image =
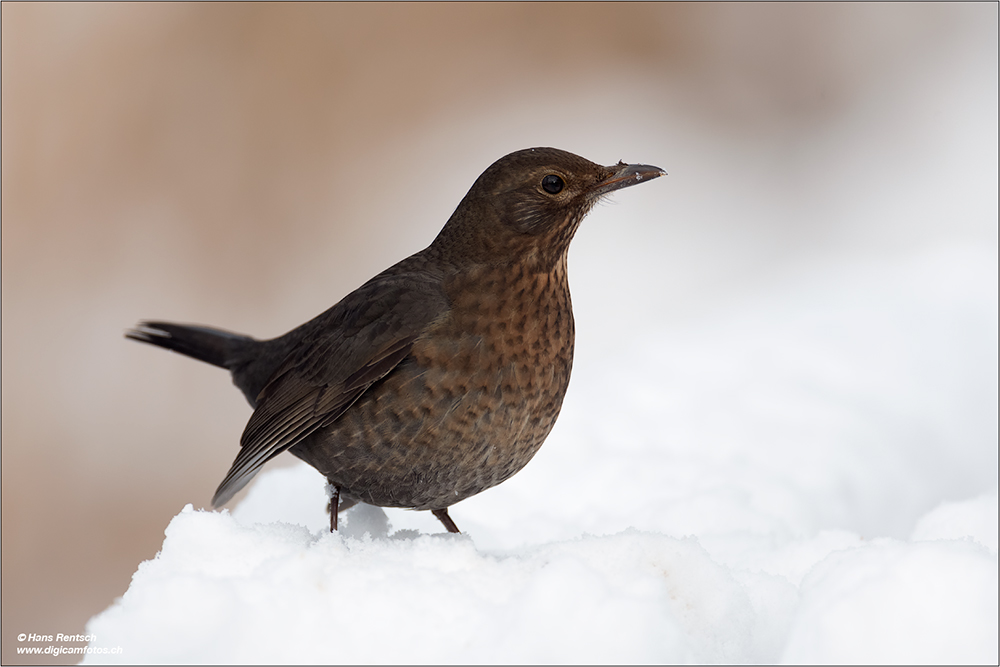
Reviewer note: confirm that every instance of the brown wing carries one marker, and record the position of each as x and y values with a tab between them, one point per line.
341	354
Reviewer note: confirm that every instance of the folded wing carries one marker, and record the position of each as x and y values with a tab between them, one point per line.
341	354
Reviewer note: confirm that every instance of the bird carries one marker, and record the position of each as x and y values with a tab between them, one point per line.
441	376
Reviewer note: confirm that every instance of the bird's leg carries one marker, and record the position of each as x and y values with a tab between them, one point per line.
334	507
442	515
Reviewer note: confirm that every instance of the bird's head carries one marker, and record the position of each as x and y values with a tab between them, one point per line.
530	203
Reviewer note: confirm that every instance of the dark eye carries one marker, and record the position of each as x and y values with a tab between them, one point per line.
552	184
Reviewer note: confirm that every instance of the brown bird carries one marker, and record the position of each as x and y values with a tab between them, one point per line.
441	376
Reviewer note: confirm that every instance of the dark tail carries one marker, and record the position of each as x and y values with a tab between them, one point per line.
214	346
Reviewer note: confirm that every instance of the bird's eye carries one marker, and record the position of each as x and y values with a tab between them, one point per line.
552	184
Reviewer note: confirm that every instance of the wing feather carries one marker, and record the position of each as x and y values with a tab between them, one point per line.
341	354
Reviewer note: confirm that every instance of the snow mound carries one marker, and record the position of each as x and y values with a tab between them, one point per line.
226	590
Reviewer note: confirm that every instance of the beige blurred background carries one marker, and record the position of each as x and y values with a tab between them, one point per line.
246	165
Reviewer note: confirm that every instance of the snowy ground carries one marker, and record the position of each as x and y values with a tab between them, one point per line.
771	486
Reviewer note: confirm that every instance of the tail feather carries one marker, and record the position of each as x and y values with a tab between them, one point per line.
214	346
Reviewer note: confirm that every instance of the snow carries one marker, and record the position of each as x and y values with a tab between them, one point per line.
802	478
892	602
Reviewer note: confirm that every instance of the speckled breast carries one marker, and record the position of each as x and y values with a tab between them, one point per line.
468	407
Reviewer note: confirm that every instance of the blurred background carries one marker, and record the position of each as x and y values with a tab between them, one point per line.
247	165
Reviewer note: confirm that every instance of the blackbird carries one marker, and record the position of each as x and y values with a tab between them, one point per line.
441	376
